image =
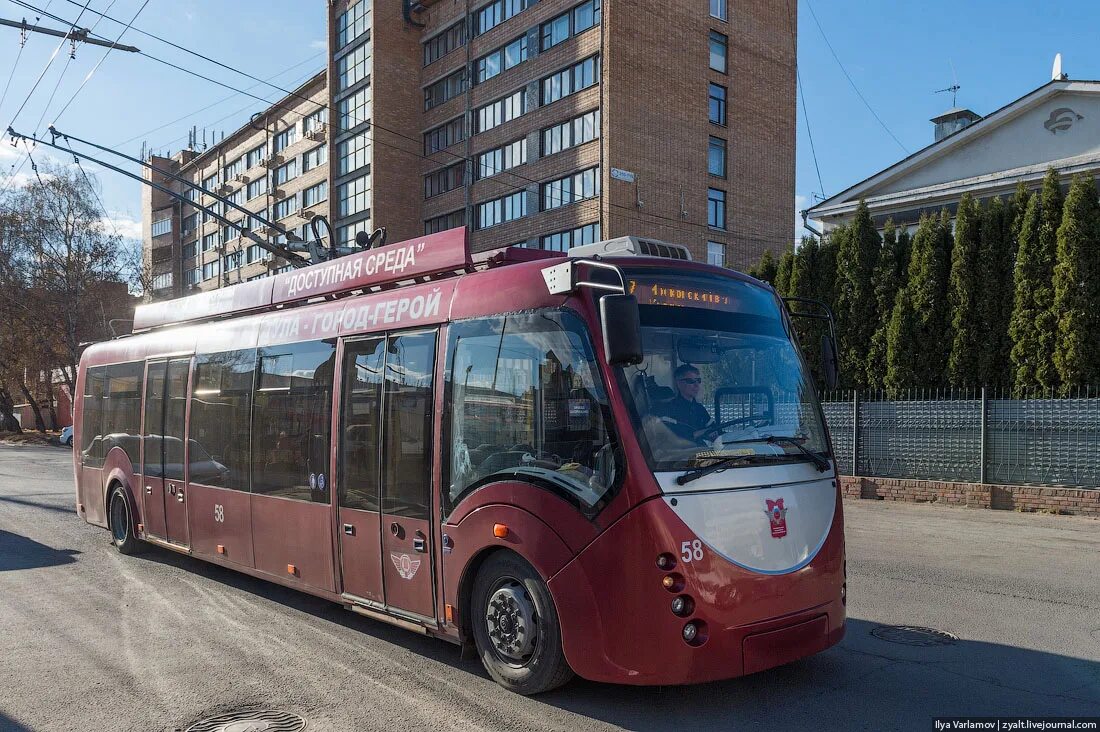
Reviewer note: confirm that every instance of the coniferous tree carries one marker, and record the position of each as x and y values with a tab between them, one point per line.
891	275
1034	325
995	261
857	255
783	272
963	365
919	337
826	267
1077	286
1029	274
765	269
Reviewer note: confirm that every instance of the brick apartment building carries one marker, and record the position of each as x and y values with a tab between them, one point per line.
275	165
545	123
557	122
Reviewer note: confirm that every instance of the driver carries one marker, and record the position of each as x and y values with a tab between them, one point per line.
683	413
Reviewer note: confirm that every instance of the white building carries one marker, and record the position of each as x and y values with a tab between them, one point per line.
1056	125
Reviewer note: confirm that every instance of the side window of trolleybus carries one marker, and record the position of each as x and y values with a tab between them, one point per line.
291	420
527	404
221	405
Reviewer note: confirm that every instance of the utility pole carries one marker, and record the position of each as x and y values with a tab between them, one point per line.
77	35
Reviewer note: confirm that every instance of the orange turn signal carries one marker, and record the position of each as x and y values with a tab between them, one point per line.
291	569
668	581
141	528
500	531
449	613
221	549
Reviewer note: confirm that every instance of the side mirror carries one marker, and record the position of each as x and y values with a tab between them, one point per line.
829	365
622	329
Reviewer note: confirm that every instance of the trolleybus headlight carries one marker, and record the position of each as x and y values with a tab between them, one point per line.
666	561
690	631
682	605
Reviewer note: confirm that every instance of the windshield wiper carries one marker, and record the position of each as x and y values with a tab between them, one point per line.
796	441
714	467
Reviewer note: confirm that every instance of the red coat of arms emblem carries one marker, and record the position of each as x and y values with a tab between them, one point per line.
777	517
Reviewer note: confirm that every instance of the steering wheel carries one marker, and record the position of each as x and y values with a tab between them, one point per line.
749	419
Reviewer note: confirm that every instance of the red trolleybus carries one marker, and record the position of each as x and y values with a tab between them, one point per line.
610	463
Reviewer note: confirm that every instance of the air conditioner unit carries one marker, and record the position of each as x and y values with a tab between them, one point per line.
240	178
186	232
271	160
317	133
307	215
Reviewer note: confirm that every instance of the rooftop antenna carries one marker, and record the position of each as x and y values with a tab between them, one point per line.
1056	73
954	88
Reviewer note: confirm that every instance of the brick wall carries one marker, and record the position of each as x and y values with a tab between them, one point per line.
1076	501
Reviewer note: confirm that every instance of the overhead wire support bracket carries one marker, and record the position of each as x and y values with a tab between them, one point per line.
293	258
77	35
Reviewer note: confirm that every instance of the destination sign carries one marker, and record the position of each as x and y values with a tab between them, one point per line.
659	293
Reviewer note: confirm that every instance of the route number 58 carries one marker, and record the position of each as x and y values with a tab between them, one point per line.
219	513
691	550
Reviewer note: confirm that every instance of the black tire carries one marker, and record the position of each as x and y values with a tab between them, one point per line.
69	442
533	670
122	523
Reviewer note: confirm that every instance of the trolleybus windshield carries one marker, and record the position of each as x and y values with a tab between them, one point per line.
721	376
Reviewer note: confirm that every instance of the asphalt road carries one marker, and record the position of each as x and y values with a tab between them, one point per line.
93	640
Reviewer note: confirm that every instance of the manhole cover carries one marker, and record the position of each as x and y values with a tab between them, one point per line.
265	721
909	635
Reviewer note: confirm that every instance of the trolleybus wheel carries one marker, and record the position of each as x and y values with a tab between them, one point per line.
122	525
516	627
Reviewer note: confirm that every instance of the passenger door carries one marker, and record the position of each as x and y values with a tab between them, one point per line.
385	471
152	469
358	475
407	410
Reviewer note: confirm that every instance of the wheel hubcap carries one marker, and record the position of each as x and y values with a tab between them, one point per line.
511	621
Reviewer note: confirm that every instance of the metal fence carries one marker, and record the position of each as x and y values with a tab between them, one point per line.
975	436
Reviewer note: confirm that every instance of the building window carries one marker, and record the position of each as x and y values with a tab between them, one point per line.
718	104
255	156
210	182
163	226
444	136
501	210
285	172
502	59
253	223
563	241
356	109
256	253
191	194
716	157
285	207
503	158
353	154
571	80
450	220
447	41
353	197
719	50
354	67
232	170
315	121
229	233
576	131
162	281
209	241
315	194
190	223
232	261
352	23
444	180
190	250
285	139
193	276
345	235
257	187
716	253
211	269
718	9
579	19
497	12
716	208
236	196
312	158
445	89
571	188
501	111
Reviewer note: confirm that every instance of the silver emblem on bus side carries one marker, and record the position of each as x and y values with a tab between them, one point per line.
406	565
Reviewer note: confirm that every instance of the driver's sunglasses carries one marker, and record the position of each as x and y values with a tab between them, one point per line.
696	380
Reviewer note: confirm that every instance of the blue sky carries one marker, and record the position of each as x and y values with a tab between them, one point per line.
897	54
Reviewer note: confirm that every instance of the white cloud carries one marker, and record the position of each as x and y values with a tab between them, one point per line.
127	227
